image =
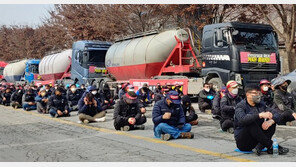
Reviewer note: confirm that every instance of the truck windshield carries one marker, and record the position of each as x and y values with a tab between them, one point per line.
33	68
254	37
97	56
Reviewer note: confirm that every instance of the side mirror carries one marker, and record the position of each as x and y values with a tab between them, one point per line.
219	35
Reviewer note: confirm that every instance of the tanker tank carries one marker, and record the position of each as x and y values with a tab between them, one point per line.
142	57
52	67
15	71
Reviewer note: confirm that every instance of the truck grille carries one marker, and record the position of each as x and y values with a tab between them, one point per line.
255	66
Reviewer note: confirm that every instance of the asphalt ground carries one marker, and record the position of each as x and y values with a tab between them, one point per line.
27	136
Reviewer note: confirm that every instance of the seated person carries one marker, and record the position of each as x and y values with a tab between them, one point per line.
169	119
107	100
28	100
90	110
145	95
6	97
128	113
16	97
189	111
58	104
255	123
216	110
42	101
205	98
227	105
285	102
73	96
267	94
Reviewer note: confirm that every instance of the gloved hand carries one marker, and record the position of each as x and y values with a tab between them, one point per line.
210	97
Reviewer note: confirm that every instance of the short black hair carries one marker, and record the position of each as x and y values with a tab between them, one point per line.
250	88
206	84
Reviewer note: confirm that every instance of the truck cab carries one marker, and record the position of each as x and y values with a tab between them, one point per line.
243	52
88	61
31	70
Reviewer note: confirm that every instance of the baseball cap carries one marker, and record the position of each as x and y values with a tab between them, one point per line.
231	84
264	81
174	97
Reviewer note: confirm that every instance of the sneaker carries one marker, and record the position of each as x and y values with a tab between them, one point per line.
27	109
103	119
258	149
293	123
195	122
230	130
80	122
140	127
165	137
125	128
186	135
218	117
282	150
86	121
208	111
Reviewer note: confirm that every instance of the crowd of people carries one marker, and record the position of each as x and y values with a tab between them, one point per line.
251	116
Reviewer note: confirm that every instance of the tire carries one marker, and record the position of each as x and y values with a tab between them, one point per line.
217	83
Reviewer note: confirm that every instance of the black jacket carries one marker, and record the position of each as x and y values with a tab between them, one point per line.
125	111
58	103
284	101
17	96
189	111
28	98
202	96
246	115
227	106
216	110
7	96
267	97
73	98
90	110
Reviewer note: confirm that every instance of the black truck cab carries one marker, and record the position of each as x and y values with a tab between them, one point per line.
242	52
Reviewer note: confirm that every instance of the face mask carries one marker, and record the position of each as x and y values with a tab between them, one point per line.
256	99
94	92
73	89
43	94
234	91
46	90
265	88
284	88
207	89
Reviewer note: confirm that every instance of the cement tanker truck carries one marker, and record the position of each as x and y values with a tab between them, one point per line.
21	71
243	52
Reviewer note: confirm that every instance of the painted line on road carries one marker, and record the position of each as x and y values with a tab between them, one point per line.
152	140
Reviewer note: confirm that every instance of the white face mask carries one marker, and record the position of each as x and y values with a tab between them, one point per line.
207	89
94	92
73	89
265	88
235	91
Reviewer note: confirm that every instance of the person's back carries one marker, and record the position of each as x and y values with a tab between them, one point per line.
189	111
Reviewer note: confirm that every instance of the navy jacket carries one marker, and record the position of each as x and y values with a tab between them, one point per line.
90	110
161	107
246	115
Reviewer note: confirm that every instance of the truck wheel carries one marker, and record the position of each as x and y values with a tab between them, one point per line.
217	83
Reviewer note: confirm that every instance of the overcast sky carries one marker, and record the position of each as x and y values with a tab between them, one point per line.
23	14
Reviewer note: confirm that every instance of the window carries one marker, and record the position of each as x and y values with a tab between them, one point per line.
97	56
224	39
207	39
33	68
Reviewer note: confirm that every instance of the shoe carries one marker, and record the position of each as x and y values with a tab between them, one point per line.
140	127
103	119
258	149
195	122
282	150
293	123
208	111
165	137
218	117
27	109
86	121
230	130
186	135
79	122
125	128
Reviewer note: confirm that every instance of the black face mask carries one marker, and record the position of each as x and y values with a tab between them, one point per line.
284	88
